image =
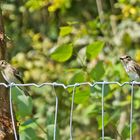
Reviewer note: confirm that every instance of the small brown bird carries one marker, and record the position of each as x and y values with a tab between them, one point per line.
131	67
12	75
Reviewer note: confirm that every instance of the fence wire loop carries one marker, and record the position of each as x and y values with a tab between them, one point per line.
54	84
76	84
11	85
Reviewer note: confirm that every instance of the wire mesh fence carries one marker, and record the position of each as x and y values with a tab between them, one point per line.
74	86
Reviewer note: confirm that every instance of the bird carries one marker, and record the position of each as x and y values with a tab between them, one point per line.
131	67
12	75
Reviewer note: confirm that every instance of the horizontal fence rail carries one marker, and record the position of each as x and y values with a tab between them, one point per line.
71	85
55	84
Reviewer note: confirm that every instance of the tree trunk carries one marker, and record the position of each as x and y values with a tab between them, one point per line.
6	128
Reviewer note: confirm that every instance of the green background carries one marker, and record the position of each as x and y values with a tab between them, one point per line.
66	41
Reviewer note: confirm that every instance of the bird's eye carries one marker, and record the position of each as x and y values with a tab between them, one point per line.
127	57
2	62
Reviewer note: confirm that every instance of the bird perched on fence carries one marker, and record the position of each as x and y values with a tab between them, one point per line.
131	67
11	75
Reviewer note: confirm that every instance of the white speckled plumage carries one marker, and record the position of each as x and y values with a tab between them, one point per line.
131	67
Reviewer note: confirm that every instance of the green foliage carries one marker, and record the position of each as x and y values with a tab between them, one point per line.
29	134
81	97
28	122
64	41
94	49
50	130
77	77
126	130
98	71
106	120
62	53
23	103
35	4
59	4
65	30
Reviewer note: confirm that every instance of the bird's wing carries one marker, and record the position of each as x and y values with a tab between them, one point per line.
17	75
137	68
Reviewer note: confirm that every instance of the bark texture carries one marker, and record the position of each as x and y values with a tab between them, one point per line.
6	128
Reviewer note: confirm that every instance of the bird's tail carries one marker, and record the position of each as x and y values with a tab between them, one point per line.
24	90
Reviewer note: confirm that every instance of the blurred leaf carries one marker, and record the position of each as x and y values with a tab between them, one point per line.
94	49
72	22
98	89
41	90
107	90
59	4
81	96
29	121
137	94
35	4
122	1
29	134
65	30
107	138
77	77
126	130
93	24
127	40
98	71
62	53
24	106
30	124
106	120
50	130
90	108
23	103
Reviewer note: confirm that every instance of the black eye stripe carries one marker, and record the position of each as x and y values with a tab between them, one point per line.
127	57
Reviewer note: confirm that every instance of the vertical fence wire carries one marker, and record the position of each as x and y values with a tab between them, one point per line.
12	114
103	89
56	112
71	112
72	103
131	112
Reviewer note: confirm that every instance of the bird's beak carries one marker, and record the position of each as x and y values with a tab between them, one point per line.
121	58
